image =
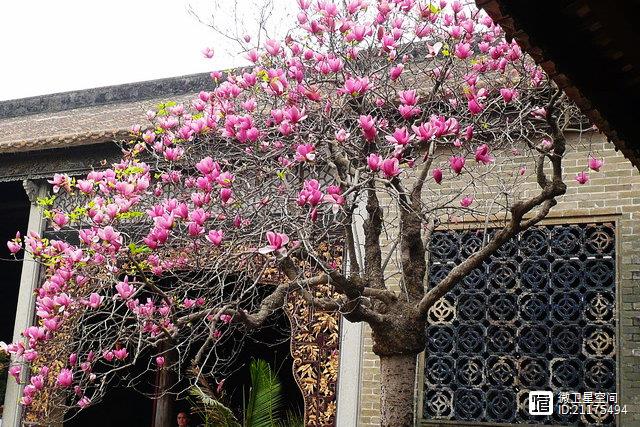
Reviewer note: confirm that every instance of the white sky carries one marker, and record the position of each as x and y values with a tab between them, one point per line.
51	46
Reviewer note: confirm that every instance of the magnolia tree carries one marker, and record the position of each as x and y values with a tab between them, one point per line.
372	124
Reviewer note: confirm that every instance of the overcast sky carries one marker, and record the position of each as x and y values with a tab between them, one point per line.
56	46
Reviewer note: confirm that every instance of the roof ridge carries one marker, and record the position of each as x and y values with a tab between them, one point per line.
127	92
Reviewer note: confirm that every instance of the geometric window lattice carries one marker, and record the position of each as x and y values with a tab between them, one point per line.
538	315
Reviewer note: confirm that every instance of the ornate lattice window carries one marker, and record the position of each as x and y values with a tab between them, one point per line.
539	315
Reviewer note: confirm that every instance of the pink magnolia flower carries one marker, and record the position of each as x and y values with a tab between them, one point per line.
595	164
482	155
120	353
368	126
475	107
400	136
15	245
94	300
37	381
456	163
160	361
15	371
374	161
508	94
437	175
277	241
215	237
355	86
65	378
463	50
207	52
225	318
125	290
408	97
310	193
273	47
84	402
390	167
60	220
582	178
466	201
305	152
342	135
395	72
225	194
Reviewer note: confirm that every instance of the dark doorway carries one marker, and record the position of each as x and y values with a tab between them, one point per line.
14	216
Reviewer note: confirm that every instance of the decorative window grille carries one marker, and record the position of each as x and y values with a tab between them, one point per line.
538	315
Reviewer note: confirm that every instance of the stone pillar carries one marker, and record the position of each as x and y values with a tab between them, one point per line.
26	301
351	342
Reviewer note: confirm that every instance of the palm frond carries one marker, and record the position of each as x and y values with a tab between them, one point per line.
215	413
265	397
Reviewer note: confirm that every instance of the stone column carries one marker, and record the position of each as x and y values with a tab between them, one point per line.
351	342
26	301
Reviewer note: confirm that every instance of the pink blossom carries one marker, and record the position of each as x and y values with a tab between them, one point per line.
160	361
390	167
273	47
15	245
395	72
277	241
456	163
65	378
120	353
215	237
355	86
225	318
368	126
466	201
595	164
437	175
463	50
37	381
207	52
582	178
374	161
475	107
342	135
225	194
305	152
482	155
408	97
508	94
400	136
15	371
60	220
84	402
125	290
94	300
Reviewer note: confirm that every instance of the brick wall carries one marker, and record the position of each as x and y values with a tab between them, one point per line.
613	193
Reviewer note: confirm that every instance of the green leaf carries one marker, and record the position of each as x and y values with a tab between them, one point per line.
265	396
135	249
46	201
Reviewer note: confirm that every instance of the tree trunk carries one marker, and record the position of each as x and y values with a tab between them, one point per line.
397	378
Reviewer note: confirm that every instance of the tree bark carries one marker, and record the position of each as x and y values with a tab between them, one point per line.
397	377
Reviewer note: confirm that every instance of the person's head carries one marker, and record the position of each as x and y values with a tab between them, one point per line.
183	419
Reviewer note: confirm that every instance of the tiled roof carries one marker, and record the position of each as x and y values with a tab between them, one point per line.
79	126
89	116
